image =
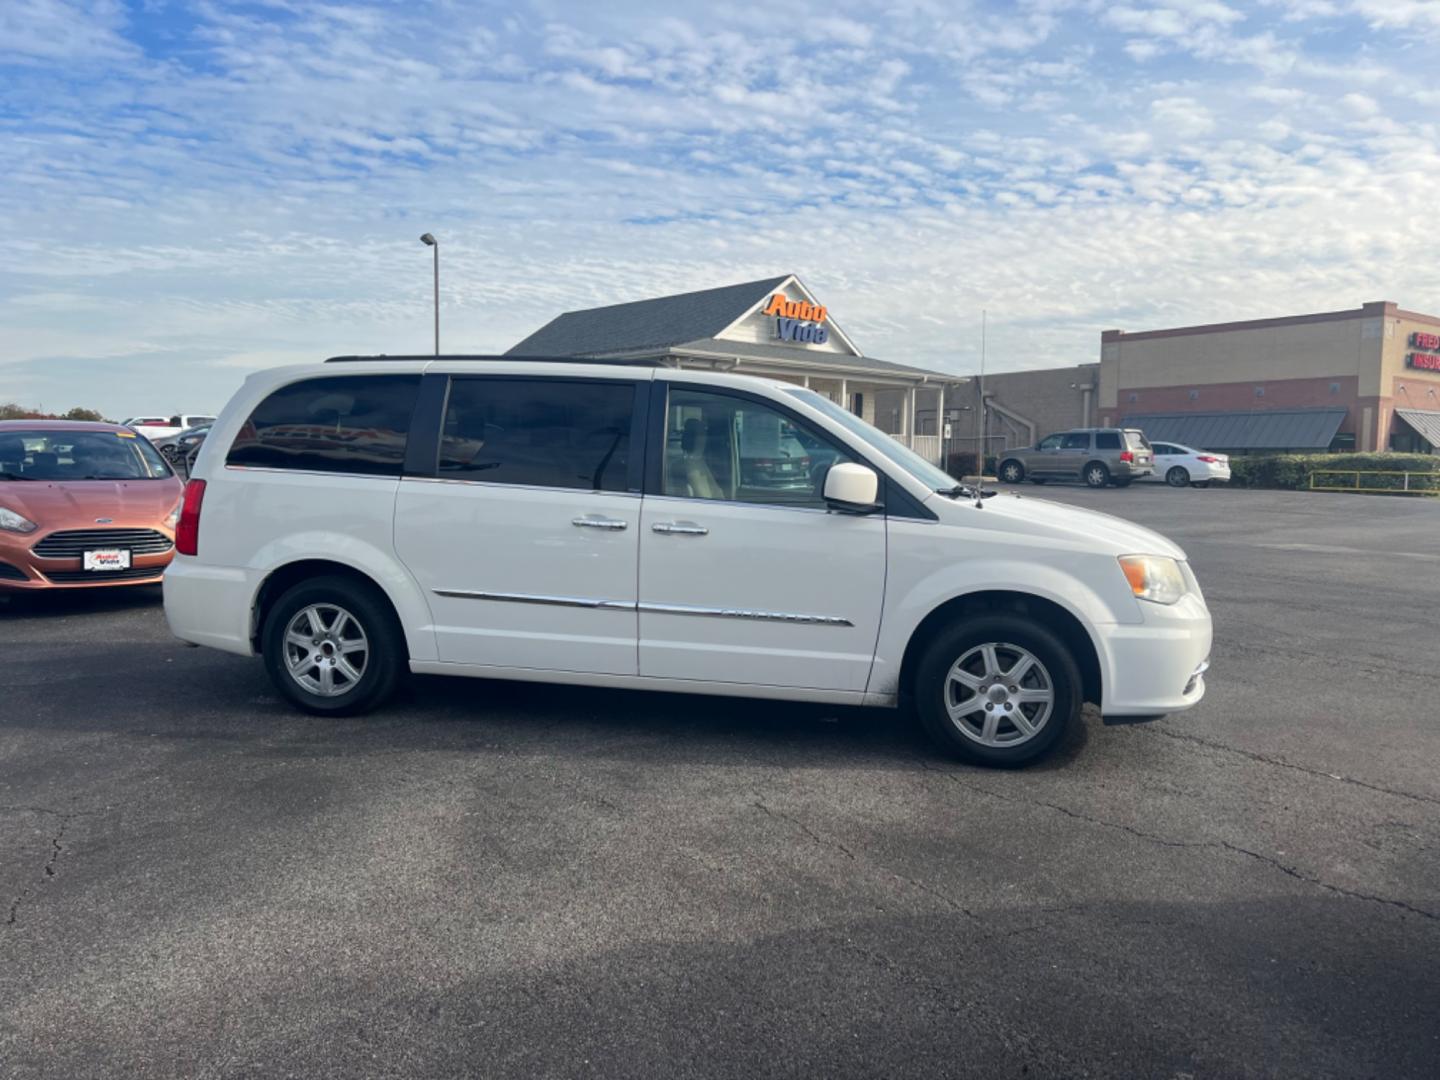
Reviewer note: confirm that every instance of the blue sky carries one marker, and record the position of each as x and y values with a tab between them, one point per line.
193	191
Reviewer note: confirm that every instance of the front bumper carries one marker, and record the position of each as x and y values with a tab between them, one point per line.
23	571
1159	665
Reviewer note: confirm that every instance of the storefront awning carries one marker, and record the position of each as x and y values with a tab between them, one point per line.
1426	424
1270	429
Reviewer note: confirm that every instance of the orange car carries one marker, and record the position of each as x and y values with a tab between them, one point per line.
83	505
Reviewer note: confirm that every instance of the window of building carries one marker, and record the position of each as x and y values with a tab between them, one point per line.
859	407
1194	395
539	432
1343	443
1107	440
1134	398
1334	388
737	450
1259	391
344	424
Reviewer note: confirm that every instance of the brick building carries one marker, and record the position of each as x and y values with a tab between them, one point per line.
1367	378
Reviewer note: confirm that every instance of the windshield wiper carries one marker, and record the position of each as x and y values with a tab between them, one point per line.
14	476
965	491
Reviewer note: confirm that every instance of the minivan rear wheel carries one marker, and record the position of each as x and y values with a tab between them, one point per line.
332	646
1096	474
997	690
1012	472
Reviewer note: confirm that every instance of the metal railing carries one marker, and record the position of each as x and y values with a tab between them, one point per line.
1377	481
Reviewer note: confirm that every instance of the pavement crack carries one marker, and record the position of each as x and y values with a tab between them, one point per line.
1283	764
811	833
57	848
1214	845
1354	894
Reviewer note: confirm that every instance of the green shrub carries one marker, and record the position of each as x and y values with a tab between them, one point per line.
1292	471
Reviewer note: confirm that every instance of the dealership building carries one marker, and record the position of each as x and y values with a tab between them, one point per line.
1363	379
775	328
1367	378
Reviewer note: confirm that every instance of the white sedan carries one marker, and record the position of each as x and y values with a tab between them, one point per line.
1180	466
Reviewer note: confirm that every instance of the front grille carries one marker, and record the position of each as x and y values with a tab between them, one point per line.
77	577
73	543
11	573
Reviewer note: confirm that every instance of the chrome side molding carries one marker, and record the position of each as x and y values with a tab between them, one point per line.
744	613
653	609
532	598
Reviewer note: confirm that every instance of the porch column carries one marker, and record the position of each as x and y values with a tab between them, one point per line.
910	414
844	394
806	382
940	416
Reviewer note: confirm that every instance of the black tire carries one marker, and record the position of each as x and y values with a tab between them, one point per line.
1012	472
1096	475
1037	480
1178	477
932	695
385	656
1123	483
1200	483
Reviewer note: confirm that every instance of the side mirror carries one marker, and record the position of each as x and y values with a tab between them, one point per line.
852	489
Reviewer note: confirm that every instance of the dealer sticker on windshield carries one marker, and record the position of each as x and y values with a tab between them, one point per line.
107	559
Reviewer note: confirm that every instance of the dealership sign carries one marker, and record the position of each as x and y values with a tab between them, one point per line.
1424	361
798	320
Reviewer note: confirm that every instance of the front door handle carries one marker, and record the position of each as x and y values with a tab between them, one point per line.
677	527
599	523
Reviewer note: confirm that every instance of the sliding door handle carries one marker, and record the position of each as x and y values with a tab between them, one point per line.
683	529
600	523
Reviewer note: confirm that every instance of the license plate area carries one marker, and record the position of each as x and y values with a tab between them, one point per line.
102	559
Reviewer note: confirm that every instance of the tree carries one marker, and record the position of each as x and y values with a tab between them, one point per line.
12	411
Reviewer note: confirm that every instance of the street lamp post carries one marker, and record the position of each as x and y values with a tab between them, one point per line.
429	241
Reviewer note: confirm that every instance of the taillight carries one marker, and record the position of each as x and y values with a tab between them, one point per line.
1126	455
187	533
1206	458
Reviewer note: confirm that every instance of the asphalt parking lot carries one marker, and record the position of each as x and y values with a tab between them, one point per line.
495	879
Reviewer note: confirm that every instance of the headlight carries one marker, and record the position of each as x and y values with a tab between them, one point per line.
1154	577
10	521
173	517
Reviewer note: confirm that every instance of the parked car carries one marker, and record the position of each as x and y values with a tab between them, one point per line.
83	505
178	447
598	524
1180	466
1098	456
165	428
136	422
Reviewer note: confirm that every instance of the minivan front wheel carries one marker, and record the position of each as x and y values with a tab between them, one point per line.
997	690
1012	472
1097	475
332	647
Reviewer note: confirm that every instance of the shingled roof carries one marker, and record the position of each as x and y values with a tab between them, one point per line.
646	324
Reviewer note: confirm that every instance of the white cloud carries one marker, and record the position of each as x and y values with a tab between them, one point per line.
252	193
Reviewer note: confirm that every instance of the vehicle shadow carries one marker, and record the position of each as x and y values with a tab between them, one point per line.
62	603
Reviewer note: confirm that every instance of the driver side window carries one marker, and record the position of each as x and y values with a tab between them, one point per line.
1050	442
734	449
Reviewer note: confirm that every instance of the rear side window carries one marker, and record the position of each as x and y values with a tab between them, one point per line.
539	432
1075	441
1136	440
343	424
1107	440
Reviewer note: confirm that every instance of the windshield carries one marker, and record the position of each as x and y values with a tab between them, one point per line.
929	475
78	455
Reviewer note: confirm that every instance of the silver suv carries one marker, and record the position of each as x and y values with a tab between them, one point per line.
1098	456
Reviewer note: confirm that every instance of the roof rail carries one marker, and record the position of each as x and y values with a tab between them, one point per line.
618	360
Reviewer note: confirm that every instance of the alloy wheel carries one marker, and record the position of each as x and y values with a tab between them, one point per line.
999	694
326	650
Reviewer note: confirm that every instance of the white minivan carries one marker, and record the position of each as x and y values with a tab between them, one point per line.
636	526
